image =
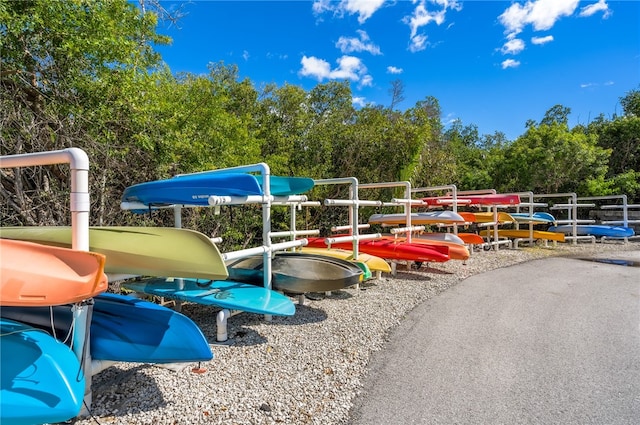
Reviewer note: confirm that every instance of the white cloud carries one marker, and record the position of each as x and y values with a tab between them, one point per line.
421	17
358	101
513	47
417	43
587	85
510	63
366	81
450	118
352	44
363	8
394	70
314	67
594	8
540	14
349	67
542	40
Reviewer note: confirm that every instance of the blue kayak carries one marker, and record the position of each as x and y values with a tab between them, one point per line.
284	186
192	189
537	218
220	293
597	230
41	379
126	329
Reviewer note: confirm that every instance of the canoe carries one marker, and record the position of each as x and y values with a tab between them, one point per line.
125	329
390	250
375	264
192	189
536	218
38	275
524	234
41	380
144	251
457	251
486	217
297	272
597	230
227	294
488	199
431	217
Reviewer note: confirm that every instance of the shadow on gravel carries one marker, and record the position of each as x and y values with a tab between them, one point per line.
113	380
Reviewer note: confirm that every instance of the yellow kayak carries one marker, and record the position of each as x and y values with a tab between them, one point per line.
487	217
375	264
524	233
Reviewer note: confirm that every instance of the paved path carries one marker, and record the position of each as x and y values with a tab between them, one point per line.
553	341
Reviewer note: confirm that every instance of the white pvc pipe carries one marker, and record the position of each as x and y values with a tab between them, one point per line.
407	196
294	233
98	366
403	201
215	200
353	209
351	202
351	238
233	255
454	194
407	229
348	227
221	325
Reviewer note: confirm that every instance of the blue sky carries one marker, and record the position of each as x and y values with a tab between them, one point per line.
495	64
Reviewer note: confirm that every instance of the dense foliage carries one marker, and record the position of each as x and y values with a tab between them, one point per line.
84	73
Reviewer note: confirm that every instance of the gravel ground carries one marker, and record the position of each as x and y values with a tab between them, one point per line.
304	369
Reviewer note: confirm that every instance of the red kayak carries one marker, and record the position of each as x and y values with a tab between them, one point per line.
456	251
391	250
489	199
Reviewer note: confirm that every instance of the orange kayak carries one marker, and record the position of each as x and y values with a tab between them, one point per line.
471	238
38	275
486	217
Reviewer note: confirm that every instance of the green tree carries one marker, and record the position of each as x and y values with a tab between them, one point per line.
73	73
631	103
549	158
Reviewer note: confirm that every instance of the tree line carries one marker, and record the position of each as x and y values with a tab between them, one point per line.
85	74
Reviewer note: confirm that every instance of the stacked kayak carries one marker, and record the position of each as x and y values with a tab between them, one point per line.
145	251
41	379
391	250
430	217
597	230
524	234
486	199
32	274
297	272
125	329
374	263
457	250
535	218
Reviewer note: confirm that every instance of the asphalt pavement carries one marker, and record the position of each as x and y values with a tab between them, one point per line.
552	341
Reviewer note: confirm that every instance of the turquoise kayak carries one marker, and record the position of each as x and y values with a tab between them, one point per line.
41	380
